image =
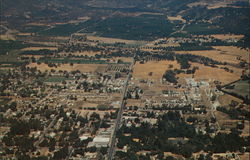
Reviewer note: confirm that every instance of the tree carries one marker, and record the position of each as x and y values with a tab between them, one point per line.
104	150
170	76
61	154
19	128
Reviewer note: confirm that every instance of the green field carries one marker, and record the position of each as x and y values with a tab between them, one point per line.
144	27
203	29
63	29
57	79
241	88
9	45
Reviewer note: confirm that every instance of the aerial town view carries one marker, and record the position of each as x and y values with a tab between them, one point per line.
124	80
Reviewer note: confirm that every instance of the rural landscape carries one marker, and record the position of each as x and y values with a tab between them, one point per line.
125	80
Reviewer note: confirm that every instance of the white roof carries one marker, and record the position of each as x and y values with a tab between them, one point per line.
101	139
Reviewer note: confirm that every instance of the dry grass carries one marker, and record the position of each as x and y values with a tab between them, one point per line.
226	99
81	67
158	68
227	36
133	102
7	37
234	51
246	129
245	156
51	44
124	59
177	18
24	34
38	48
222	53
209	73
113	40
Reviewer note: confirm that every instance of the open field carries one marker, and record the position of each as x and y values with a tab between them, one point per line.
7	37
158	68
114	40
241	88
222	53
123	59
213	74
57	79
83	53
227	36
234	51
177	18
226	99
38	48
67	67
144	27
245	156
209	73
12	56
246	129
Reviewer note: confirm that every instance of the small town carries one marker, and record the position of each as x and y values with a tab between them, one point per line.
125	80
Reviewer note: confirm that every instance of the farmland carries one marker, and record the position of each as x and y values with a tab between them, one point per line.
142	71
124	79
81	67
240	87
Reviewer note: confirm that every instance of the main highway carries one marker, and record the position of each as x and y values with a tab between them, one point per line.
119	115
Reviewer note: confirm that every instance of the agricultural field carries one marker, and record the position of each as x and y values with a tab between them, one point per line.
154	26
227	36
226	99
227	54
67	60
117	79
38	48
113	40
57	79
240	88
211	74
158	68
67	67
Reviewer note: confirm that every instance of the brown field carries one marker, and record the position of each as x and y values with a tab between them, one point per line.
67	67
209	73
158	68
222	53
133	102
226	99
33	56
213	4
24	34
177	18
244	156
227	36
124	59
246	130
234	51
38	48
7	37
51	44
114	40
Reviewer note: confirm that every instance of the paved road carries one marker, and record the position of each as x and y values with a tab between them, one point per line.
119	116
211	108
